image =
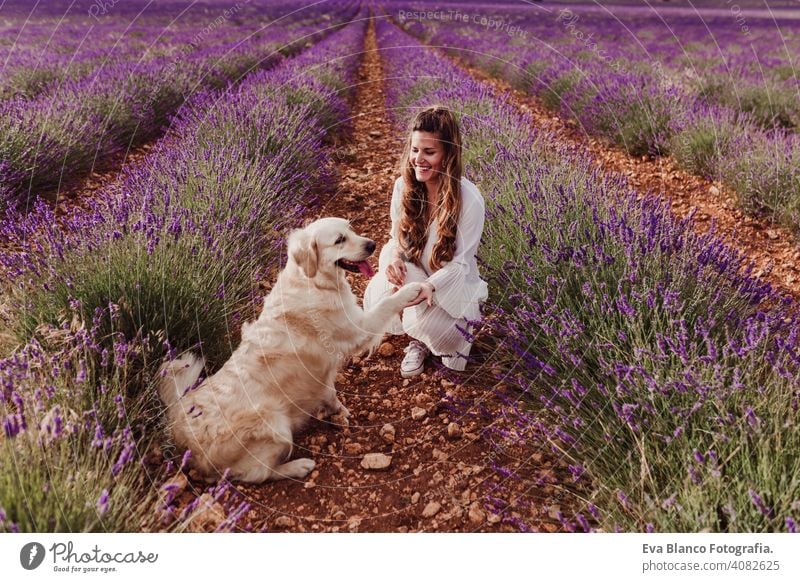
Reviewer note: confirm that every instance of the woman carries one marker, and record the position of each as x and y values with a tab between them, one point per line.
437	222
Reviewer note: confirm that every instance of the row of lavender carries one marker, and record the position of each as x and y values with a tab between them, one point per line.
170	261
39	51
666	379
42	57
716	121
65	132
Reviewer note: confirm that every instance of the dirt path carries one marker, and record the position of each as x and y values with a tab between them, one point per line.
440	429
774	249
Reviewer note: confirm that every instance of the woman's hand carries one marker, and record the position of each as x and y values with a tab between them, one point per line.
426	294
396	272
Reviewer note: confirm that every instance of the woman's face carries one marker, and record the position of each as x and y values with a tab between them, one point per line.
427	153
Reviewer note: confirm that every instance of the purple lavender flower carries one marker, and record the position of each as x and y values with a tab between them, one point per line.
102	502
577	471
763	508
11	426
126	455
187	455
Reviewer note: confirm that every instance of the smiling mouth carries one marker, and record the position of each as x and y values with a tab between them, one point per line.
362	267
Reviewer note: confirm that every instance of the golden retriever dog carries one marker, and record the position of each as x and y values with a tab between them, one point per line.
282	373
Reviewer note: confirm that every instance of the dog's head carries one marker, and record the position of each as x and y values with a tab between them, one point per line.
329	244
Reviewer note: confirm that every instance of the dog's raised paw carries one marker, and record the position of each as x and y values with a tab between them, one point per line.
409	292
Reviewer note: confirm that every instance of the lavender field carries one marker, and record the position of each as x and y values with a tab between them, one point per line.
651	360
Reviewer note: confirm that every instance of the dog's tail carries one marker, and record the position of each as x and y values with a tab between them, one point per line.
177	376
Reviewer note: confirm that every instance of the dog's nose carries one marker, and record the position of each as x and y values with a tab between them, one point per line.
369	246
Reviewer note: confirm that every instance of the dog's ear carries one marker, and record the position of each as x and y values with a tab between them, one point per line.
304	251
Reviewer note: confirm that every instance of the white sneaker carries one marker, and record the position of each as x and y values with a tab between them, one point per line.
414	362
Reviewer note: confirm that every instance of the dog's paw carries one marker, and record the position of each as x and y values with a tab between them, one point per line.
333	411
297	469
341	418
408	293
340	409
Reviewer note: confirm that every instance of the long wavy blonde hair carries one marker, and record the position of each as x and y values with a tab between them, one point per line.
441	122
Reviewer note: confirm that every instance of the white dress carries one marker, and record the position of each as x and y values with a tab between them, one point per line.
459	287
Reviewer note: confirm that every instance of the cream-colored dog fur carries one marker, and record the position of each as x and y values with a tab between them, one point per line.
243	417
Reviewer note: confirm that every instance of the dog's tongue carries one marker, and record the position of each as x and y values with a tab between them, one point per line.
365	269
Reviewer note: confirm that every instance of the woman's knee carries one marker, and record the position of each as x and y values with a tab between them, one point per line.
418	318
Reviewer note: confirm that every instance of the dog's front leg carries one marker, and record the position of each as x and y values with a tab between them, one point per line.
340	415
377	320
332	407
334	410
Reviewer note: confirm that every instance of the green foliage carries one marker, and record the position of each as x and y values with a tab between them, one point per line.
702	142
552	94
764	170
